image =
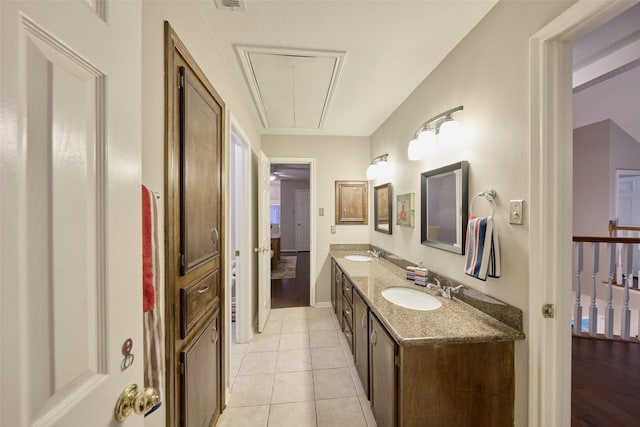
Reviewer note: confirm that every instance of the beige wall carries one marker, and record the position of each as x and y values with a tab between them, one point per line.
599	149
186	19
488	74
337	158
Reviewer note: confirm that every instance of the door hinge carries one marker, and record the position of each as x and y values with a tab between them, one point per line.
396	359
237	253
548	311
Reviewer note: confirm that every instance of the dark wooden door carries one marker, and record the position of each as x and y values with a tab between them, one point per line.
361	339
383	374
200	376
195	241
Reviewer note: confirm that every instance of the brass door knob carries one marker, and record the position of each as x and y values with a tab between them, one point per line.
132	400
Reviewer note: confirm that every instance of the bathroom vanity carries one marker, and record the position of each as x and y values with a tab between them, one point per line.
450	366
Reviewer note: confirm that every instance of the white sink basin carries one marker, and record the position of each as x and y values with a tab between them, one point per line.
411	298
358	258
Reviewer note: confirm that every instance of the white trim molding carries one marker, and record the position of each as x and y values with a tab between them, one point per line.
551	184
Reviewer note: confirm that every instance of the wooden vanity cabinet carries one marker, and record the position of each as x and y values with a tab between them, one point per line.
336	288
361	339
347	310
383	375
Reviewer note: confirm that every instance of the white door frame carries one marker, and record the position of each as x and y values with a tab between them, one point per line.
550	233
311	161
241	222
243	238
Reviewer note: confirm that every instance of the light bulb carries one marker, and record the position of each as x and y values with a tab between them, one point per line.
372	171
449	131
426	137
382	169
272	177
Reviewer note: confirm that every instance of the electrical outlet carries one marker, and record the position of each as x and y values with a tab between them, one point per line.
333	229
321	212
515	212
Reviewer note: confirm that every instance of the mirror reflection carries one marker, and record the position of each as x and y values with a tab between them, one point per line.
382	208
444	207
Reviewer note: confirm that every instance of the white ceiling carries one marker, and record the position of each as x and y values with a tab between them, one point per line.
390	45
607	73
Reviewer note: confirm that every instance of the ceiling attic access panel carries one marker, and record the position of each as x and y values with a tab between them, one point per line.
292	88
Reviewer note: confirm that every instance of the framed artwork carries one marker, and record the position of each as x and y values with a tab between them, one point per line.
405	210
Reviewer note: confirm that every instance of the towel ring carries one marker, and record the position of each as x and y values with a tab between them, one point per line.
490	196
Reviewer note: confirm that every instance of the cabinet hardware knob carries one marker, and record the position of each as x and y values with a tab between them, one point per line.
202	291
374	339
363	321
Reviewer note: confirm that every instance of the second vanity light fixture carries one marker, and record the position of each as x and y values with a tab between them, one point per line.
379	167
442	125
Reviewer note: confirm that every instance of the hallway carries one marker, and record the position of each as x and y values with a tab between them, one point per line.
298	372
292	292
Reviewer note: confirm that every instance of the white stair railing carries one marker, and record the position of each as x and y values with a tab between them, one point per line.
620	257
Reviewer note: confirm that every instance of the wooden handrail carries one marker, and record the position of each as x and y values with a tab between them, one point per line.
601	239
613	228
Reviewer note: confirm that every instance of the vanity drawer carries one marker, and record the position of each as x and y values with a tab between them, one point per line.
348	332
347	289
196	300
347	313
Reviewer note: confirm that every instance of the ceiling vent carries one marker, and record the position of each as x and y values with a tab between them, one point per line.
292	88
233	5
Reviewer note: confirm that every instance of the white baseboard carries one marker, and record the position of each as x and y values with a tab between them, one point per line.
323	304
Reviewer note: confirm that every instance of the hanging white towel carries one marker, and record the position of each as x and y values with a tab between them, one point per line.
482	248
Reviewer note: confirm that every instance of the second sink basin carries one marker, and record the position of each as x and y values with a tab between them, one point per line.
358	258
411	298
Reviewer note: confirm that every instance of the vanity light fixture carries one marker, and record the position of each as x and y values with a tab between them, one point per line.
442	125
378	167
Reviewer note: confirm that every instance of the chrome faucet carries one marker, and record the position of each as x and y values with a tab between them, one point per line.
446	293
375	253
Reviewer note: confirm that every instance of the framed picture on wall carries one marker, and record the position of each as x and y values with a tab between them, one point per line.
405	210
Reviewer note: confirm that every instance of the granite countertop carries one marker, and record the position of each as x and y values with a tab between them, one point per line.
454	322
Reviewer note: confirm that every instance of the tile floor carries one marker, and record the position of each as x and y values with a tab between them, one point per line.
298	372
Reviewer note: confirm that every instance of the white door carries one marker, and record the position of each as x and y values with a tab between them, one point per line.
264	242
628	207
303	229
70	218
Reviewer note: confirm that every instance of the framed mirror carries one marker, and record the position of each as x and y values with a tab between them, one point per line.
444	207
382	208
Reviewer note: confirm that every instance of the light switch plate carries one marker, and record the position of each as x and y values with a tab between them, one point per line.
321	211
333	229
515	212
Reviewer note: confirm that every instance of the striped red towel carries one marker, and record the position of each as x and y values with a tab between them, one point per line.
482	249
152	313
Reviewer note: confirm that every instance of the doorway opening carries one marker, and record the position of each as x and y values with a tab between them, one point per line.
239	300
290	223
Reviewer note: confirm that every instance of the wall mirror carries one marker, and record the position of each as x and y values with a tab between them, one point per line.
444	207
382	201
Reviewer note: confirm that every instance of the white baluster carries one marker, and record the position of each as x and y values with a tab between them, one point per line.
625	329
608	314
593	309
577	317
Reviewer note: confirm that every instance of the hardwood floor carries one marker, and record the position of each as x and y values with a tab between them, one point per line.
605	384
292	292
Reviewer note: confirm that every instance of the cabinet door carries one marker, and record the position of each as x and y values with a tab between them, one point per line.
337	281
383	374
200	379
333	284
352	202
361	339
